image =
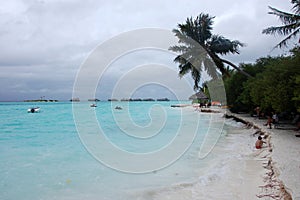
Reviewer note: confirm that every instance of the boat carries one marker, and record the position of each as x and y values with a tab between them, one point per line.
33	110
93	105
180	105
118	108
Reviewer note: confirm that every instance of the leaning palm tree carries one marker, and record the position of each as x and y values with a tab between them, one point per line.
291	24
199	49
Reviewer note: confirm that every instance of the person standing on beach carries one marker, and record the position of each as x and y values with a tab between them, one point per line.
269	122
275	118
259	143
257	110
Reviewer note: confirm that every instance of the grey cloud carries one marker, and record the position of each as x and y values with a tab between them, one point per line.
43	43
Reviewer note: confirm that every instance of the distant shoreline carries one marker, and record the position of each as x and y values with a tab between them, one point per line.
83	101
41	100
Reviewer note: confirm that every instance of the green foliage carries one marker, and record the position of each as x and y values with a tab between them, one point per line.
296	97
238	95
275	85
296	80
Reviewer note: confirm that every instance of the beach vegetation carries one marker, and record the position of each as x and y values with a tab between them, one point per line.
273	87
296	97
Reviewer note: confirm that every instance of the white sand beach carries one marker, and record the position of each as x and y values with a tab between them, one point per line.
284	159
240	171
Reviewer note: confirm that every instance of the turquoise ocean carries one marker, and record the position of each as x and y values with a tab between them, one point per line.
42	155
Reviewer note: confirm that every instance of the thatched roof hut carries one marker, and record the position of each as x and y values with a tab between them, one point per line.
199	95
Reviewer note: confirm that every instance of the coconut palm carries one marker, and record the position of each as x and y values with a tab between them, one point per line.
199	49
291	24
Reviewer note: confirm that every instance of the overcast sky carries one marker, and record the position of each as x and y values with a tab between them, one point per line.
44	43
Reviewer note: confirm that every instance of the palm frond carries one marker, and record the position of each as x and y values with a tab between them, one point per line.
291	23
196	63
296	6
210	67
204	27
285	18
221	45
184	69
184	39
281	30
179	59
179	48
284	42
198	29
198	48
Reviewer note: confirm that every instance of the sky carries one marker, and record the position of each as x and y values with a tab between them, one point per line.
45	43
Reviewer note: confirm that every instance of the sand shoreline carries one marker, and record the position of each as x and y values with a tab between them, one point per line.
283	166
234	170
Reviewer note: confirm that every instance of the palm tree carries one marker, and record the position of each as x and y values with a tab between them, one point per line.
291	23
199	48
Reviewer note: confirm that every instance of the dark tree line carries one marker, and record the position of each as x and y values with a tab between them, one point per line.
275	85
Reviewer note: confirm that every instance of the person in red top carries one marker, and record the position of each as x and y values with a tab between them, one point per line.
259	143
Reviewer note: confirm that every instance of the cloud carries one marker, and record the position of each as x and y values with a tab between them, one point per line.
43	43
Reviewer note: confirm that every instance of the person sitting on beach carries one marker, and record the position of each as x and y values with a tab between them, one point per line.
259	143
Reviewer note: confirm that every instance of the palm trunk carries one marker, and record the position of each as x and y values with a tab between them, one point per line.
220	63
235	67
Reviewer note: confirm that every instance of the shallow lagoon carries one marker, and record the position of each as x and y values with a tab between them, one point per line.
42	156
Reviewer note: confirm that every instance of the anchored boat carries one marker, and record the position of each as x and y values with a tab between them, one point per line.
33	110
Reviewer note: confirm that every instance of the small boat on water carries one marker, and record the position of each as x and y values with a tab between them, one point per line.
180	105
33	110
93	105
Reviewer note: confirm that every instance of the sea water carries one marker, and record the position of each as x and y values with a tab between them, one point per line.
43	155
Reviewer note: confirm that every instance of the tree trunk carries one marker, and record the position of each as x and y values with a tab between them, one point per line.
235	67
